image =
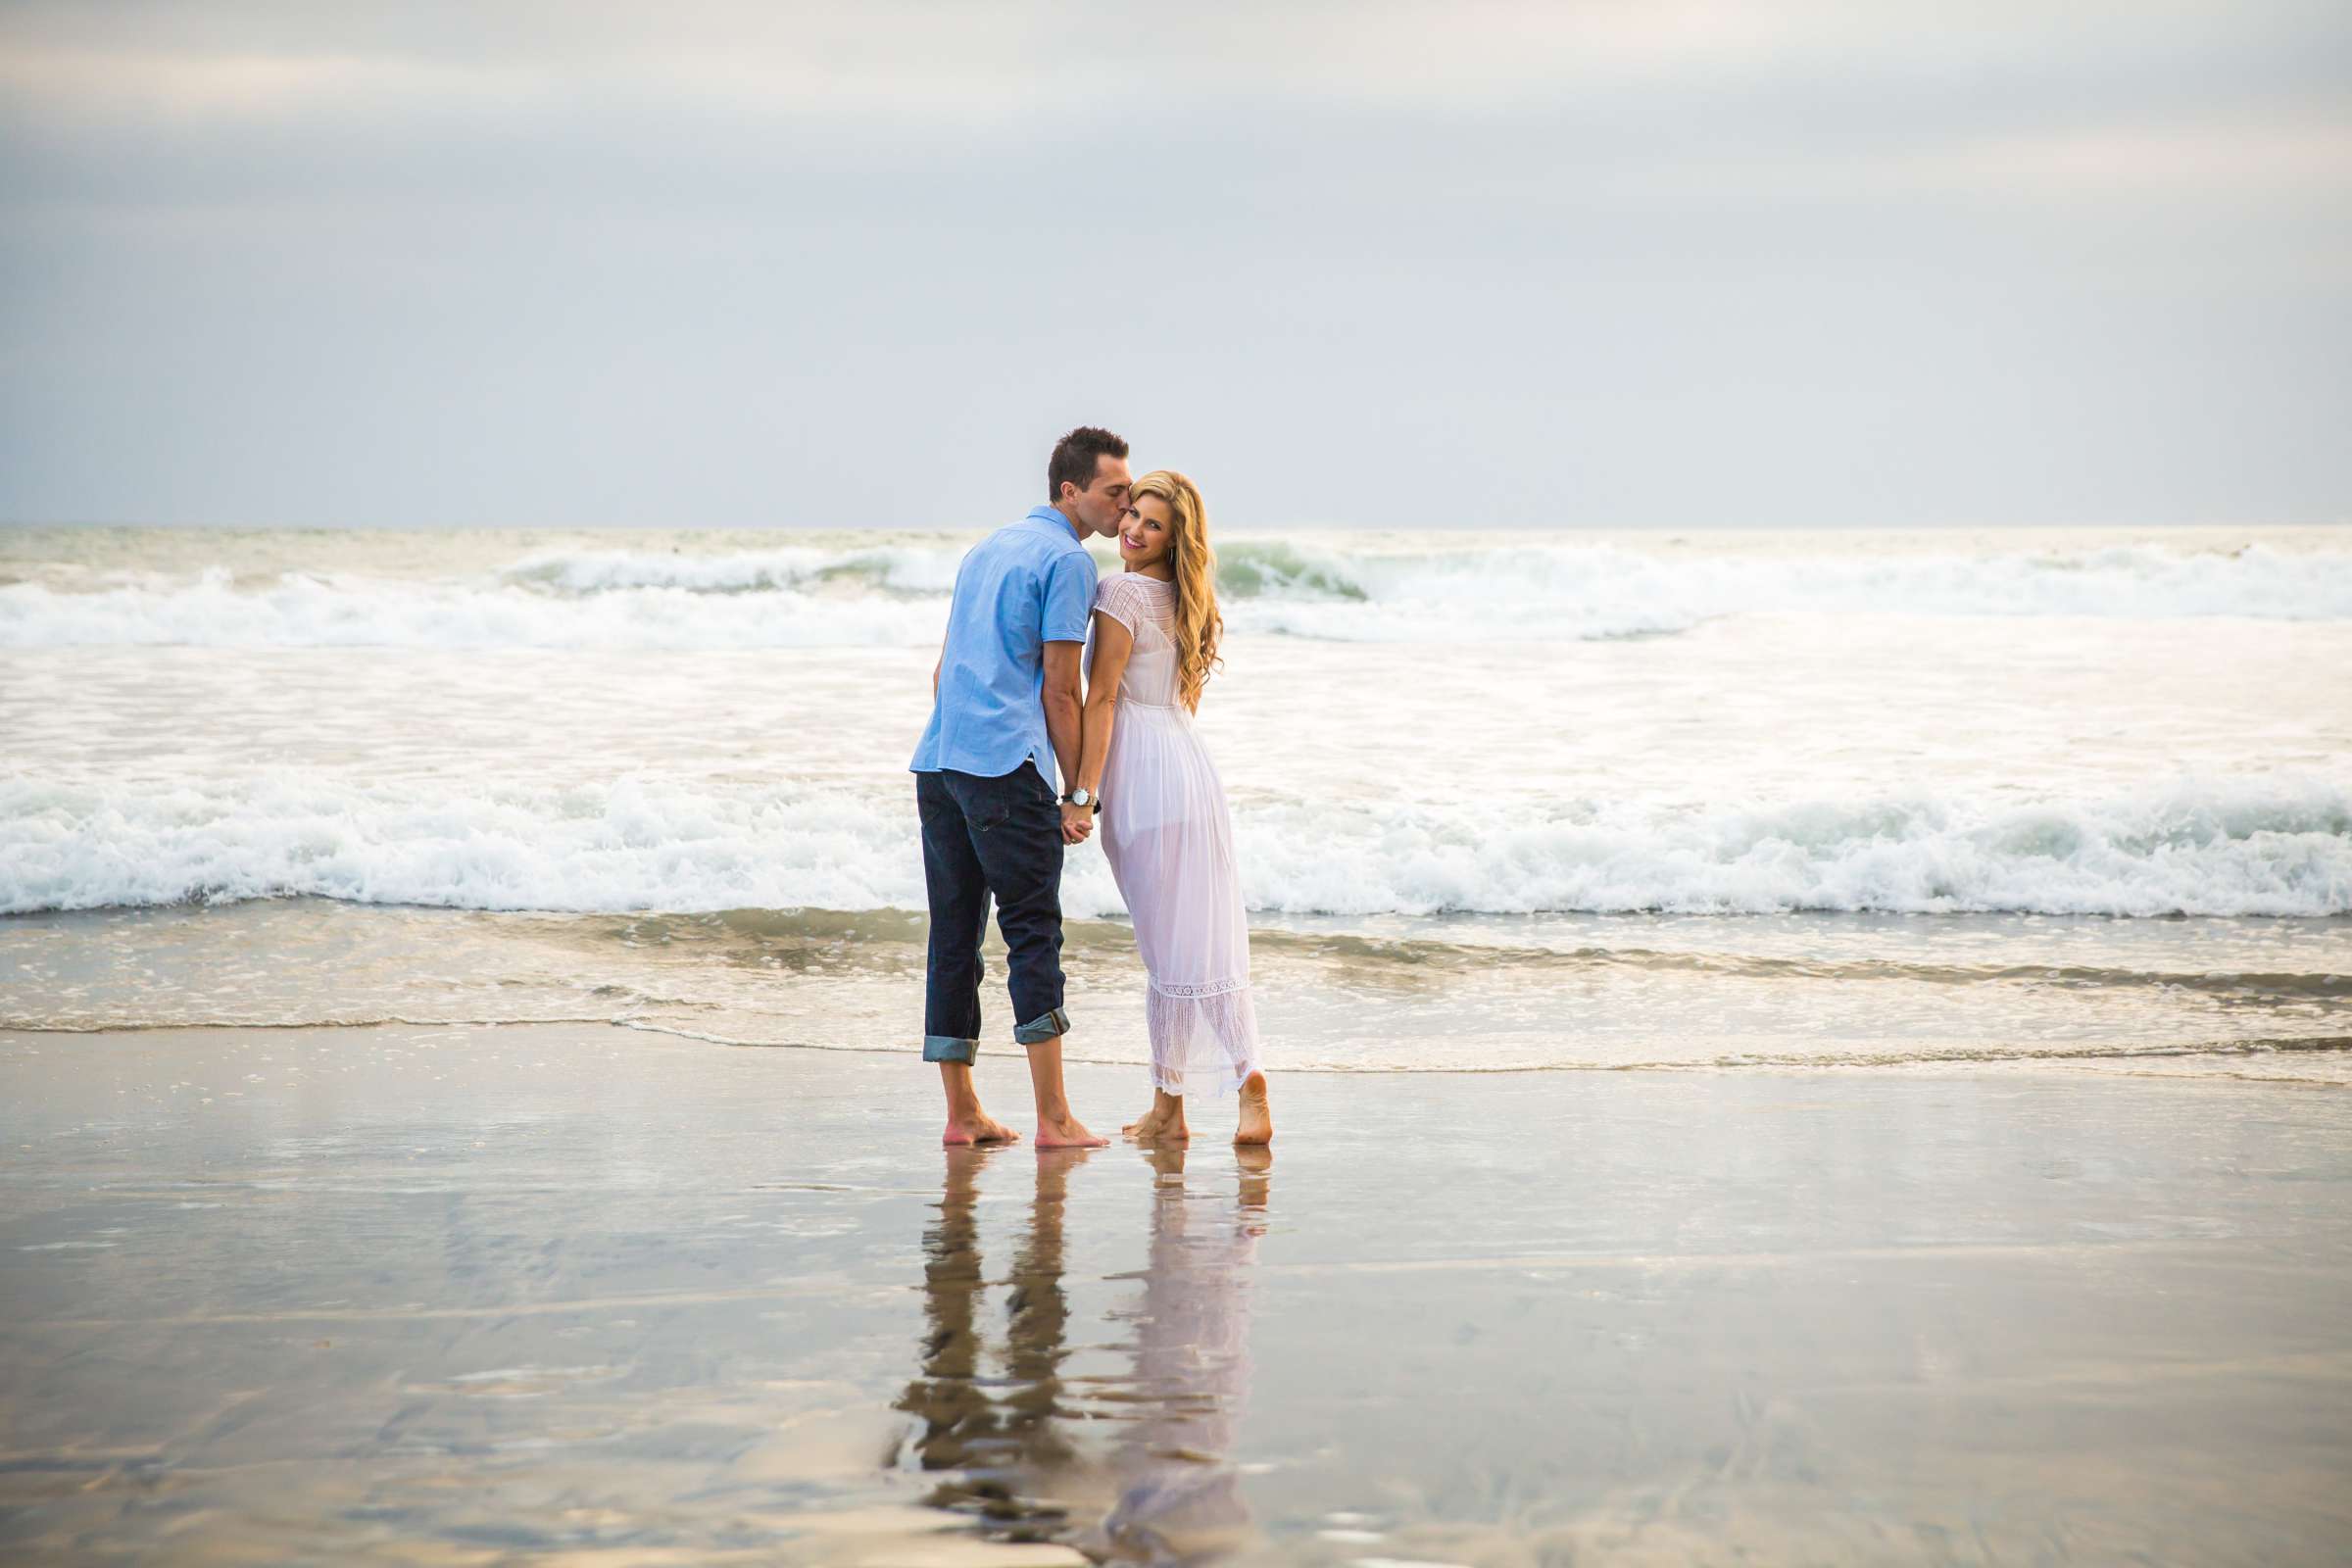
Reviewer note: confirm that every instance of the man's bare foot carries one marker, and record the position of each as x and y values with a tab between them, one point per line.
1066	1133
978	1128
1164	1121
1258	1118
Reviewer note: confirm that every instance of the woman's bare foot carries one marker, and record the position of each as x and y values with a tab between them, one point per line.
1164	1121
1258	1118
978	1128
1149	1118
1066	1132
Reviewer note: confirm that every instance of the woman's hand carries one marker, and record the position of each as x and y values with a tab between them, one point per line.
1077	821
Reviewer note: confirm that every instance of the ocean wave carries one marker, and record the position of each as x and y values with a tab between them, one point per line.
895	595
302	610
905	569
2254	849
647	842
1601	591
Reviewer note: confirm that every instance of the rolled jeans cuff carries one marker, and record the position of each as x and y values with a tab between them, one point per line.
1045	1026
946	1048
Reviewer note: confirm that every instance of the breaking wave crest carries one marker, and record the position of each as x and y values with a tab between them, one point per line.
896	594
644	842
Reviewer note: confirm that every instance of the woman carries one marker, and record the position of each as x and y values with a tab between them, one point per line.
1165	827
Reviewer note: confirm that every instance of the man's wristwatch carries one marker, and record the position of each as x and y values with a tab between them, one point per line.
1082	796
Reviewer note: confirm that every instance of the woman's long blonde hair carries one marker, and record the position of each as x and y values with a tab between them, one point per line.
1199	626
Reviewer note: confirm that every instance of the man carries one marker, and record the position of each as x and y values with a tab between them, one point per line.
1006	692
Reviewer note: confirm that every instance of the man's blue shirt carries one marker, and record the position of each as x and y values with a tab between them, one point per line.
1026	585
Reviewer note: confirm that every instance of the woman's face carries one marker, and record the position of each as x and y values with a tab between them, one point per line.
1145	537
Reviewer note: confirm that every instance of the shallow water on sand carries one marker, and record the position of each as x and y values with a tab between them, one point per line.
2266	999
442	1296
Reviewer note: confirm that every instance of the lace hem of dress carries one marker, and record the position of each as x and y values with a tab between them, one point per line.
1213	987
1201	1083
1201	1043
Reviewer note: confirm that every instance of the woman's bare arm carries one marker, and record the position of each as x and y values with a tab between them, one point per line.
1113	644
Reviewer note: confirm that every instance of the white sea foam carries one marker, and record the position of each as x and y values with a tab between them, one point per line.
2253	848
902	568
300	610
2249	847
895	595
1591	591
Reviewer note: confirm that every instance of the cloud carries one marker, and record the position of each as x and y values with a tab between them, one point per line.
1768	260
2210	93
933	59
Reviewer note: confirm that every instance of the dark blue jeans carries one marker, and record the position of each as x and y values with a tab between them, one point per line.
984	837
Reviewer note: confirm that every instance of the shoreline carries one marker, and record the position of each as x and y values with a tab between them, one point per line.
2246	997
1918	1063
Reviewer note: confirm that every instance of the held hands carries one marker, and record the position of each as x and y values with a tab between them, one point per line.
1077	821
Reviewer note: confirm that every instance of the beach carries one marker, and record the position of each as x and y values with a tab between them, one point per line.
581	1294
1713	645
1786	1048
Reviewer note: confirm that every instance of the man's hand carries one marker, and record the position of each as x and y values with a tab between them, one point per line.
1077	821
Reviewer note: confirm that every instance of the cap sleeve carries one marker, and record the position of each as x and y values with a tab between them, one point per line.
1120	600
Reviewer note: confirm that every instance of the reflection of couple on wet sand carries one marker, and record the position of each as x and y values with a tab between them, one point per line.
1007	694
1010	1426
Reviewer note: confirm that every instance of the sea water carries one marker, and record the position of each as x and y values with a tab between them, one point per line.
1539	800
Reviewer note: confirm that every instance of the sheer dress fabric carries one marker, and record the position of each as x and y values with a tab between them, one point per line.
1168	836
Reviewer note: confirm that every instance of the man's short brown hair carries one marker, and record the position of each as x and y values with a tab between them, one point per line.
1077	456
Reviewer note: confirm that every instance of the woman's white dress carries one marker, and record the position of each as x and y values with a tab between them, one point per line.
1169	839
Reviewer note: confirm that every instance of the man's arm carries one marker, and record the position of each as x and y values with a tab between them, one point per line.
1063	706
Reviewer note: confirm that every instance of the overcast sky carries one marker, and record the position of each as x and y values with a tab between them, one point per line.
1763	261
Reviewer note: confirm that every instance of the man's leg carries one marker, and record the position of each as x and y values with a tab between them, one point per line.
959	898
1016	834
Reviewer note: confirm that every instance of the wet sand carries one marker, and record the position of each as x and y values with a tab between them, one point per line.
583	1294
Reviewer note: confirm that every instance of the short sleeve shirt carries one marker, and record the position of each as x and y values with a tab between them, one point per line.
1028	584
